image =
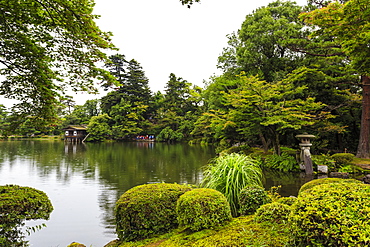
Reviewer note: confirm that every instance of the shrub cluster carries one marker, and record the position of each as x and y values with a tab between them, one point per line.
202	209
251	198
332	214
146	210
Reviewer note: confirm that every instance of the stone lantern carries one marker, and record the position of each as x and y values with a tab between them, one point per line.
305	151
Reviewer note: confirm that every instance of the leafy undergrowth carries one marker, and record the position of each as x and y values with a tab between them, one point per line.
242	231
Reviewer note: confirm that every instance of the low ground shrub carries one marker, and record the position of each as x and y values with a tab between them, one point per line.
146	210
343	159
332	214
202	209
251	198
309	185
18	204
274	212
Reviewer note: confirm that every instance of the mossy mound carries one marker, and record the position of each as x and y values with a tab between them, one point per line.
147	210
240	232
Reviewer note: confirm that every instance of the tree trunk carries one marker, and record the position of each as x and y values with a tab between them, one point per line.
363	149
265	144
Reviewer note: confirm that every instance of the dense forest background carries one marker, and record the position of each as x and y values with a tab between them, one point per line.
285	71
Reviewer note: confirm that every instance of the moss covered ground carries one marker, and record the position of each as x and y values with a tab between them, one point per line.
242	231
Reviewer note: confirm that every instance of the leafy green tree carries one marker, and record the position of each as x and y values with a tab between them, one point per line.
128	119
272	108
46	48
130	105
82	114
274	44
133	84
261	45
178	108
177	93
98	128
189	2
348	24
3	121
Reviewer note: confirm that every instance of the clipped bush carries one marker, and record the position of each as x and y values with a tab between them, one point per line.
251	198
332	214
202	209
229	174
342	159
147	210
309	185
274	212
18	204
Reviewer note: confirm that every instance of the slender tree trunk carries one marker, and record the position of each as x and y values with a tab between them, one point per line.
363	149
265	144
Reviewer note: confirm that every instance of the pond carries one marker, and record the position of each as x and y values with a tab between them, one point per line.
84	181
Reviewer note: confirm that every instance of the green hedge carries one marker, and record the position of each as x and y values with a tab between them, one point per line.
202	209
332	214
315	182
251	198
147	210
18	204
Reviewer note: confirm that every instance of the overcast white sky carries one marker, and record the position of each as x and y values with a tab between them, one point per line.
166	37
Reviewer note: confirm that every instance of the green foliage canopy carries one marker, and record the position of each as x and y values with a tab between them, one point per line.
46	48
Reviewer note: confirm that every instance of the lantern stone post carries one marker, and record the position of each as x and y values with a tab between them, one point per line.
305	152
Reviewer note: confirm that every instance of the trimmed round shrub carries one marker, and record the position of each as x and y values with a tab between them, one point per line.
315	182
287	200
333	214
147	210
202	209
251	198
18	204
273	212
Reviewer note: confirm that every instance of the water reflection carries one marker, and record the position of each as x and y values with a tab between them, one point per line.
85	180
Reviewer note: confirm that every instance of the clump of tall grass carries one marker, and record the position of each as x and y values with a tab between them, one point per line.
229	174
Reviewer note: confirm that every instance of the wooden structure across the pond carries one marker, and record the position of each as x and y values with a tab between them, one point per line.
75	133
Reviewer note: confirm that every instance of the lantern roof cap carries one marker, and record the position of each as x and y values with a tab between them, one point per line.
305	135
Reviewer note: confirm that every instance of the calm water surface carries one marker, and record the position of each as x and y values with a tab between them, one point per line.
84	181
